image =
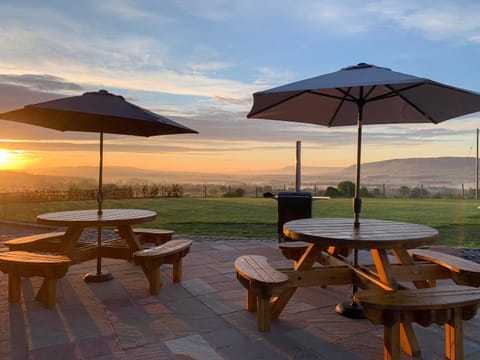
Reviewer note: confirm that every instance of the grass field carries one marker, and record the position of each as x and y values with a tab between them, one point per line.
457	220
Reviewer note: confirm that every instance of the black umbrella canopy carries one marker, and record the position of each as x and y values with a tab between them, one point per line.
98	112
387	97
360	95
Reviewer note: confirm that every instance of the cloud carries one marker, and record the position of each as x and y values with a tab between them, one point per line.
13	96
442	20
44	83
130	11
439	20
211	66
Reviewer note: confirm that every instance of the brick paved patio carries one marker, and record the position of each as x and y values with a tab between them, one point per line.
201	318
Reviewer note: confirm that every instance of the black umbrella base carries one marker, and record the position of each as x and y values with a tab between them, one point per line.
98	277
350	309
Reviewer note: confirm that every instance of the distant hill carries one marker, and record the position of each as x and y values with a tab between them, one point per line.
11	180
441	172
432	171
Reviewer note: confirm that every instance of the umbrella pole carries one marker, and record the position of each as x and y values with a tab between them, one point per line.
100	178
351	309
357	201
99	276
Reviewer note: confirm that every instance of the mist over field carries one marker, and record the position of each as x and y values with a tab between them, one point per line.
430	172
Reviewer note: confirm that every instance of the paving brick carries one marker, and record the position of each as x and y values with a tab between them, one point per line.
204	317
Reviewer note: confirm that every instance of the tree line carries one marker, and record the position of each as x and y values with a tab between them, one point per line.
110	191
131	191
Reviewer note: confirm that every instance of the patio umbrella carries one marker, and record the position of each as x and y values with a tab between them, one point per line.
360	95
100	112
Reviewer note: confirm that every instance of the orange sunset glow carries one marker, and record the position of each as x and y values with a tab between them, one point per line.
207	85
11	160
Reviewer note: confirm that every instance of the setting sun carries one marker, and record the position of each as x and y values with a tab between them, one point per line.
10	159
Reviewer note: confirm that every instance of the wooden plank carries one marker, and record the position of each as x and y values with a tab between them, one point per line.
39	242
156	236
319	276
419	299
372	233
464	272
25	258
257	269
454	336
293	250
170	247
305	262
404	258
391	346
384	269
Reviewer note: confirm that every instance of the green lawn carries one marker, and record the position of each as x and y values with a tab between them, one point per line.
457	220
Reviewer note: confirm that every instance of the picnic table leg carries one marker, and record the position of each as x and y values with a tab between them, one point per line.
405	259
408	339
391	344
14	287
72	234
305	262
126	232
454	336
47	294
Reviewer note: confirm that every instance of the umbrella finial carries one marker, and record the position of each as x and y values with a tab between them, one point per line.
363	65
103	92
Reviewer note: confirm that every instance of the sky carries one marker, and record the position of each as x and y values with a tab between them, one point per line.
198	62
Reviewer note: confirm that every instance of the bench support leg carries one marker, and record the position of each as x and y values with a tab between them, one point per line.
152	272
177	269
14	287
47	294
251	301
264	313
409	340
391	341
454	336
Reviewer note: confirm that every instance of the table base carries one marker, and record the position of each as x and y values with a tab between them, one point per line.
350	309
98	277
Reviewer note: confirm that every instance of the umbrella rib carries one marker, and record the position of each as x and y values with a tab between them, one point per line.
369	92
252	114
343	98
340	104
399	94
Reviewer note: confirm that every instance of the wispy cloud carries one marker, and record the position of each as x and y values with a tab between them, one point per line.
437	20
44	83
131	11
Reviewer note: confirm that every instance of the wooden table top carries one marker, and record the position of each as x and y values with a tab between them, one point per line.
372	233
89	218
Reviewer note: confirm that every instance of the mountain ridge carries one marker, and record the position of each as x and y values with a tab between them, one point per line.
440	171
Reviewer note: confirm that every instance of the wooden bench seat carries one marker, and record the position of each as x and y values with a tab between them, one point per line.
462	271
293	250
262	283
446	305
156	236
49	242
18	264
151	259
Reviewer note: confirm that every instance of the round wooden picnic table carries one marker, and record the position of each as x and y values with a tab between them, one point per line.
77	220
378	236
90	218
372	233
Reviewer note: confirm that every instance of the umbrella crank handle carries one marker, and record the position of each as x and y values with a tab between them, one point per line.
99	202
357	209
